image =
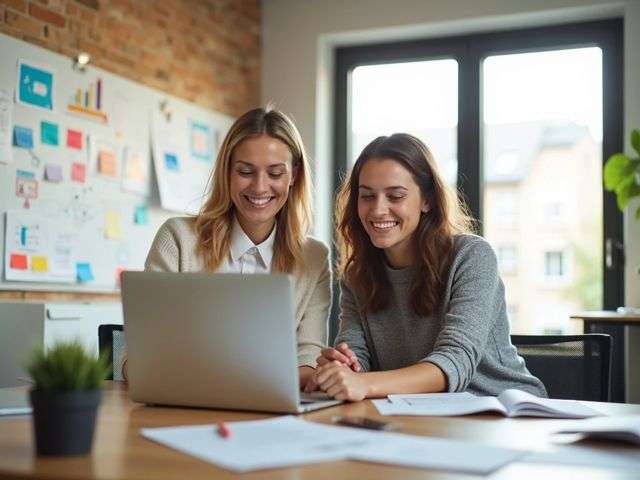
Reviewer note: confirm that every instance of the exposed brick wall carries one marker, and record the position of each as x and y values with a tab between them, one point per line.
205	51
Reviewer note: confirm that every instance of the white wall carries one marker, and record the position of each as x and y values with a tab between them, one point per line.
299	37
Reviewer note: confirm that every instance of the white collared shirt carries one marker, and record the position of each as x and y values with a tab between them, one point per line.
245	256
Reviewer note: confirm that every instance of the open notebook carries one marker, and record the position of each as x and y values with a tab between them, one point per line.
510	403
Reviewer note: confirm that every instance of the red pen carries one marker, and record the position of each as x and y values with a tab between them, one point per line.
223	430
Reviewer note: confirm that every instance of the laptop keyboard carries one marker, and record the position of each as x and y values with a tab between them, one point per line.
314	397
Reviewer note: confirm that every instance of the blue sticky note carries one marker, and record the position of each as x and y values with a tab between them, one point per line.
49	133
171	162
25	174
53	172
140	215
22	137
83	272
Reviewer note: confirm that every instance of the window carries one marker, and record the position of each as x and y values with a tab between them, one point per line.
507	258
552	213
554	266
504	209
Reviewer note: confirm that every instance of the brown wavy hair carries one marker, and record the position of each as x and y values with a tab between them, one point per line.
215	220
361	264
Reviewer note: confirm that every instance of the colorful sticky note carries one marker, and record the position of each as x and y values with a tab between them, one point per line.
25	174
113	227
39	264
53	172
171	162
48	133
74	139
18	261
140	215
22	137
84	272
78	172
107	163
35	86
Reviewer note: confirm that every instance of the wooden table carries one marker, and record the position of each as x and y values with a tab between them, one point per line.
120	452
625	368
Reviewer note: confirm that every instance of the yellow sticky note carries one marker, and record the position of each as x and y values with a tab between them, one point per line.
113	228
39	264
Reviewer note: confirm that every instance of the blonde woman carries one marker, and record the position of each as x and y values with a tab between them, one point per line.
256	220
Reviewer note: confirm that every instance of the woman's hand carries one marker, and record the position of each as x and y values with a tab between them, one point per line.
342	383
342	353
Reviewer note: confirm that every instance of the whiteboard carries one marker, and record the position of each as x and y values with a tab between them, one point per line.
85	200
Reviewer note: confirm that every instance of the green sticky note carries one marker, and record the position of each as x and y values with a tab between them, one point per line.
140	216
49	133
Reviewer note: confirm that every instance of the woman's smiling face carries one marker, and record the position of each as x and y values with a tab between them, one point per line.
389	206
260	177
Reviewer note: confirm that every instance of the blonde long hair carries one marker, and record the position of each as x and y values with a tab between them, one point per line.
215	220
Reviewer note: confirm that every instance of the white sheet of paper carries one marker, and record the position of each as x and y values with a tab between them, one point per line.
586	457
624	428
259	444
287	441
436	453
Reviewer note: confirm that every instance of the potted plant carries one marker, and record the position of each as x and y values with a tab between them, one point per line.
65	396
622	175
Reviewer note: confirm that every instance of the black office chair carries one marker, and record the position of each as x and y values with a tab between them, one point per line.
111	343
574	367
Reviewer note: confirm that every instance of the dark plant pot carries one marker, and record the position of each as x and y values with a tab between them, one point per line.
64	421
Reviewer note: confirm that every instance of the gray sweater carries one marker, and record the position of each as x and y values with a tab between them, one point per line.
469	341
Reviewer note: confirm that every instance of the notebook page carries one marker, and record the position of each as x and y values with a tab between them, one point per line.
440	404
519	403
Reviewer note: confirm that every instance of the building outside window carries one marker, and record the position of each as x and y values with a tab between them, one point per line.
554	264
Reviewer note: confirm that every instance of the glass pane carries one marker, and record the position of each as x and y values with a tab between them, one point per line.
420	98
542	160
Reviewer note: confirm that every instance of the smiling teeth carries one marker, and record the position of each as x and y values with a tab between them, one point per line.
259	201
384	225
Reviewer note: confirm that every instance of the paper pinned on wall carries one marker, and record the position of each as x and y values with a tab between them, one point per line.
53	172
135	178
35	85
49	133
19	261
39	264
78	172
6	121
201	141
74	139
113	225
104	158
26	187
48	241
84	273
22	137
140	216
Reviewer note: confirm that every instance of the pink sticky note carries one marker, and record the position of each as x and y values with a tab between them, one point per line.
78	172
74	139
18	261
53	172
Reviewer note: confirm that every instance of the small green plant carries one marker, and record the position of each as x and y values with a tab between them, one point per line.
67	366
622	175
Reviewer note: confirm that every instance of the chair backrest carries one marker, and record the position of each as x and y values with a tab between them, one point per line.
574	367
111	343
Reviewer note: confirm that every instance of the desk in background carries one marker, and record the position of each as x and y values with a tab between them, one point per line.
121	452
625	368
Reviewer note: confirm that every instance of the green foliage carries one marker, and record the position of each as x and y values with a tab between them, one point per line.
622	175
66	366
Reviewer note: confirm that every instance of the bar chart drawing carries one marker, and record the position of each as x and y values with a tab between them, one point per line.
89	102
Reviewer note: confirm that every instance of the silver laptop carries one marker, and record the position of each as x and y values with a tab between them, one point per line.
213	340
